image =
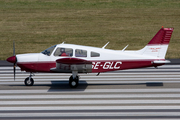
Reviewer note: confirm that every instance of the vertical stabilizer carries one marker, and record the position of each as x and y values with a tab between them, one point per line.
158	45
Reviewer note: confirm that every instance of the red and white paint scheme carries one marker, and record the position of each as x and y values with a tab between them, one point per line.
69	58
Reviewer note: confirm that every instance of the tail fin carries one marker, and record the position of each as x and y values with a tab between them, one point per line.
158	45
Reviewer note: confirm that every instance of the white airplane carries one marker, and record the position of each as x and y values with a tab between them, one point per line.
70	58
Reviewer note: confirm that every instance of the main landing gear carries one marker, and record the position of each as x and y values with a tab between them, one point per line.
74	80
29	80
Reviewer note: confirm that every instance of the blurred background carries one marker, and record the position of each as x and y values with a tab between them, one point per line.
35	25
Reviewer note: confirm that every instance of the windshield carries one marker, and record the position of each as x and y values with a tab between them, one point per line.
48	51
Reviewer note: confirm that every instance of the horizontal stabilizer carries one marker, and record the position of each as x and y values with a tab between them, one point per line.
161	62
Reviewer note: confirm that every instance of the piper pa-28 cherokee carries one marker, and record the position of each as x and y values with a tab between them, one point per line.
69	58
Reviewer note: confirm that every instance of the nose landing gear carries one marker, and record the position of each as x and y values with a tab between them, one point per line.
29	80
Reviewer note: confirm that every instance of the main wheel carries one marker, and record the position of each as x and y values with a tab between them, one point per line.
28	82
73	83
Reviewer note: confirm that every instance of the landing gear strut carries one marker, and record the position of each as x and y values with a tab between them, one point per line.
74	80
29	80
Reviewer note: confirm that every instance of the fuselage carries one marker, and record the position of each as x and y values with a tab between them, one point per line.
103	60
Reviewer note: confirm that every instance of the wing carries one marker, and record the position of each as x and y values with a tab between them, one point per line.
73	61
67	65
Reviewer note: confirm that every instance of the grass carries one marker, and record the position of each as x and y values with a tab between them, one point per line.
38	24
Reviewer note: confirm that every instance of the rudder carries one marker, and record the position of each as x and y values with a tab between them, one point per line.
162	37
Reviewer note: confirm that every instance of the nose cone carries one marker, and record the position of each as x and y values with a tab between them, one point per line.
12	59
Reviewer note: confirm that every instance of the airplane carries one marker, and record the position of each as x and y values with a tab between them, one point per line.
74	59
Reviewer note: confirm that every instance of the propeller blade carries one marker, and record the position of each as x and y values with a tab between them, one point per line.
14	49
14	54
14	71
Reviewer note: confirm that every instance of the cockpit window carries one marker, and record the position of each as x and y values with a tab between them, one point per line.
48	51
80	53
95	54
63	52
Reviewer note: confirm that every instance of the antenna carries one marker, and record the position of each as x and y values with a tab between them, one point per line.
105	45
125	47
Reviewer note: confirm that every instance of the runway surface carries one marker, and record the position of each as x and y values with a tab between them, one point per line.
147	93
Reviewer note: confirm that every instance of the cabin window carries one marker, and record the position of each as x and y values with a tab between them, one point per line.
80	53
95	54
48	51
63	52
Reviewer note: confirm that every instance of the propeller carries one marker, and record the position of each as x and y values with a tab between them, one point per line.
14	66
13	59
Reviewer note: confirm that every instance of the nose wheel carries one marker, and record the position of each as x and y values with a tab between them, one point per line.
29	80
73	82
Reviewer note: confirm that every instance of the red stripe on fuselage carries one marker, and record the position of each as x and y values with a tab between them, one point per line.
97	66
37	66
105	66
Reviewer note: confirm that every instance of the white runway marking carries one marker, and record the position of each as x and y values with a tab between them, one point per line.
168	90
93	107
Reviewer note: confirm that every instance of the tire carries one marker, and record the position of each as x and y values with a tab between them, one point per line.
28	82
73	83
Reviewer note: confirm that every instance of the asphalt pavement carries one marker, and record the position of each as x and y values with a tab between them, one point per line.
146	93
